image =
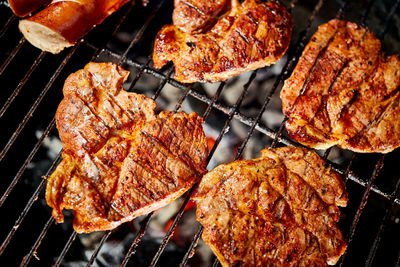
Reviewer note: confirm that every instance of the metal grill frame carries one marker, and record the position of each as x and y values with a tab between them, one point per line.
232	112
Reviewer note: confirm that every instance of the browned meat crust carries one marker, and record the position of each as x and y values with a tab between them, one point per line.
194	16
207	46
344	92
120	159
277	210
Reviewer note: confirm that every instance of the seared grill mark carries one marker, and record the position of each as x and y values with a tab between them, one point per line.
189	146
322	107
166	181
241	34
198	10
380	116
86	105
252	18
320	55
128	113
168	174
165	151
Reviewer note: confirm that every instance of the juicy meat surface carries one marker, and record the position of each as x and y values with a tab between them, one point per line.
212	41
276	210
196	16
344	92
120	159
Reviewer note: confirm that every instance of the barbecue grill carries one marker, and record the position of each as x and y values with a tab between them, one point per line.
31	83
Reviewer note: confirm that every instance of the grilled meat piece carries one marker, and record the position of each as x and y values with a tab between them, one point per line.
206	48
344	92
120	159
276	210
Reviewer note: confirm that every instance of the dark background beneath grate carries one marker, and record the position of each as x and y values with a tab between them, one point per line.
51	246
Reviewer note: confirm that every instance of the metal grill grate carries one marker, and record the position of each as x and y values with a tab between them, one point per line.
95	46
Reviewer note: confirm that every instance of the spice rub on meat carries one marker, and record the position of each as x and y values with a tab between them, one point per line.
212	41
344	92
120	159
276	210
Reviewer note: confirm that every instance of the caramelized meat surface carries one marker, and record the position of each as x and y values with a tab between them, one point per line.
120	159
276	210
213	41
344	92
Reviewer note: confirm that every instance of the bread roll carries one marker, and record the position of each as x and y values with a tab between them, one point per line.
62	23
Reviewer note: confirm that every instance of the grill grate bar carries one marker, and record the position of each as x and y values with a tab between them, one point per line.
388	19
353	177
326	153
12	55
98	50
216	262
22	83
356	219
249	134
36	104
234	109
136	240
123	17
164	81
28	206
192	246
141	31
97	250
383	226
171	228
32	252
279	133
27	161
215	98
183	97
7	25
347	171
139	74
66	248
